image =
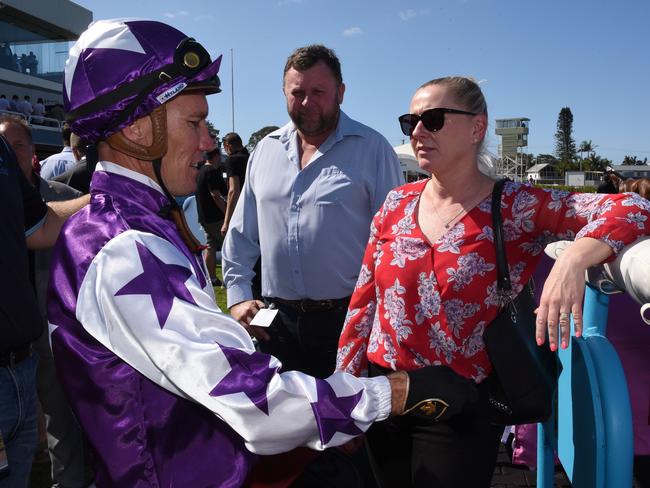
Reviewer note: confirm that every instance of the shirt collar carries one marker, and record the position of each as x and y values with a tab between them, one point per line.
109	167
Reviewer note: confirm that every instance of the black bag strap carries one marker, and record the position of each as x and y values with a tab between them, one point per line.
503	275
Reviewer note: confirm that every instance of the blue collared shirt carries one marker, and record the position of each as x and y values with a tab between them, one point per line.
57	163
311	226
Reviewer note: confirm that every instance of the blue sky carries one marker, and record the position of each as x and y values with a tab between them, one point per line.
532	57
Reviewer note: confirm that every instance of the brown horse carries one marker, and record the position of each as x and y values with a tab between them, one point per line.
638	185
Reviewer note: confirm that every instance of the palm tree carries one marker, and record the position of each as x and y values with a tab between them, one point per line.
588	147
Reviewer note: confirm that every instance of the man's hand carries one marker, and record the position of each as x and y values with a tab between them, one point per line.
435	393
244	312
57	213
399	388
224	229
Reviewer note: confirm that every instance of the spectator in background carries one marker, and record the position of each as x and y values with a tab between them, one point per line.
211	207
64	436
4	103
38	111
607	185
13	105
26	222
32	64
56	112
77	177
5	56
235	166
60	162
25	107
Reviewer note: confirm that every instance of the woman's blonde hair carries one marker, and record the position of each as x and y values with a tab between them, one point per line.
467	93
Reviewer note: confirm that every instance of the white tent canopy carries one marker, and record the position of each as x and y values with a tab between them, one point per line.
407	161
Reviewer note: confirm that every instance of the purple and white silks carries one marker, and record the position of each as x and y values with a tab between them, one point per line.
169	390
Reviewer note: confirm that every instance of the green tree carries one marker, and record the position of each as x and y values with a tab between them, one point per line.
634	161
213	131
587	147
597	163
564	166
259	135
546	159
565	146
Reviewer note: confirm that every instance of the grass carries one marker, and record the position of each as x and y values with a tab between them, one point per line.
220	293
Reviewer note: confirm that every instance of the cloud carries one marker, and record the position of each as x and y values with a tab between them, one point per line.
352	31
283	3
173	15
411	14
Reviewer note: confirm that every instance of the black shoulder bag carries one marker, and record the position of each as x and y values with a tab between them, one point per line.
522	386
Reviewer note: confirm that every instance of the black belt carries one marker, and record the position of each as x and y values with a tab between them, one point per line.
376	370
307	305
12	358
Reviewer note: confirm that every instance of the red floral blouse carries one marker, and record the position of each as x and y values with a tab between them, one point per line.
417	303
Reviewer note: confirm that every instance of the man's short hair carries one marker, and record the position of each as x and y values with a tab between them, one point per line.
304	58
19	121
233	139
66	131
78	143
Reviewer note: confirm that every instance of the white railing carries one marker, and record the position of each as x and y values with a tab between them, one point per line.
39	120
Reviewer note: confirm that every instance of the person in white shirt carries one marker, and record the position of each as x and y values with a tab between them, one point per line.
60	162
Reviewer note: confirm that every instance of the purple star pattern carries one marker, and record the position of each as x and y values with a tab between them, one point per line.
250	374
162	281
334	414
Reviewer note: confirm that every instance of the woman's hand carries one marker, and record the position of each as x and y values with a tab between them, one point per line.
564	291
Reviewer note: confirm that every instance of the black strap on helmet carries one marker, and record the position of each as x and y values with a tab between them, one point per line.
91	158
165	210
172	211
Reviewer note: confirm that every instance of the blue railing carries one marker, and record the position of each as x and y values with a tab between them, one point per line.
592	428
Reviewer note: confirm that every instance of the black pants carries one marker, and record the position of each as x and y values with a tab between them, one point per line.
409	452
305	341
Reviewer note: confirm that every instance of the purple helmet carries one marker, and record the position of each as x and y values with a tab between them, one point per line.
123	69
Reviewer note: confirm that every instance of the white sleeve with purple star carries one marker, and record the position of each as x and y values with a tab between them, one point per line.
142	300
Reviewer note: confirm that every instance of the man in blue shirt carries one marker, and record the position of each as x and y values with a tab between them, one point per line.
62	161
311	190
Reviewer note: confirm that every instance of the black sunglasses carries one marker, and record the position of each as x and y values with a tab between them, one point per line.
432	119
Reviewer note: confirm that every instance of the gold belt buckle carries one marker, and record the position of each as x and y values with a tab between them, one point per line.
431	407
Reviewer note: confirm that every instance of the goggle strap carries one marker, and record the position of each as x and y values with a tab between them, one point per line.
142	85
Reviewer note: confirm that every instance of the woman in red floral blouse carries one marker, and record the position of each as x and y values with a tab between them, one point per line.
427	287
